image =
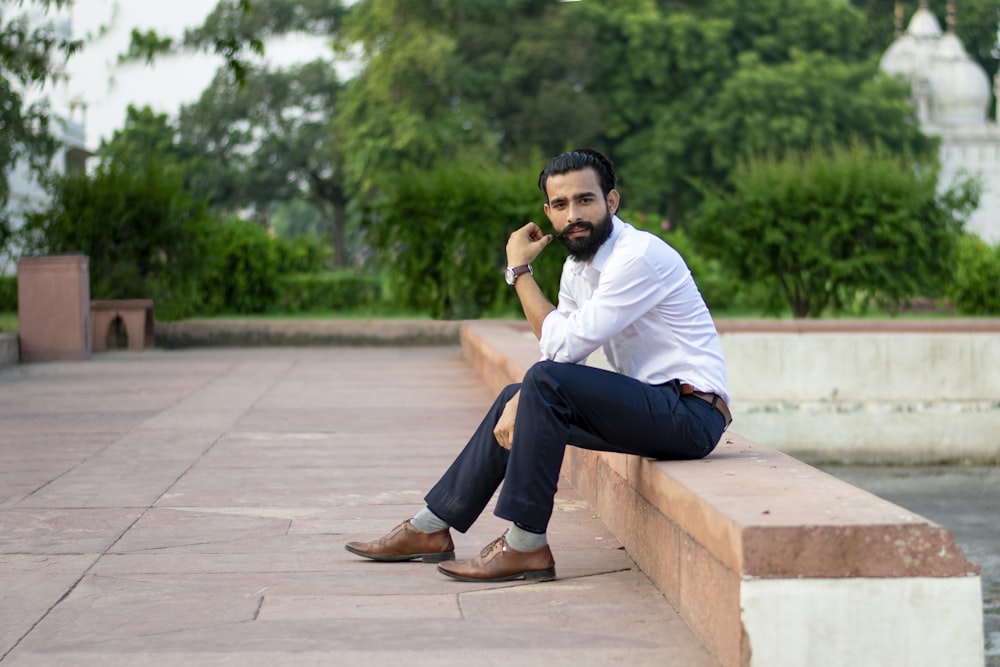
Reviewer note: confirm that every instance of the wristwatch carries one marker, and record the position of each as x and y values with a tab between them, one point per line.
512	272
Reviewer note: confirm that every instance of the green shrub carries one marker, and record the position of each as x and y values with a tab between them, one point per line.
826	226
302	254
323	292
243	265
441	235
143	234
976	286
8	294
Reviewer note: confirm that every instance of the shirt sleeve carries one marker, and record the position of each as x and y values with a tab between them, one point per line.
625	291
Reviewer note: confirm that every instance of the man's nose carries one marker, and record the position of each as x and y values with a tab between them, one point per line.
573	212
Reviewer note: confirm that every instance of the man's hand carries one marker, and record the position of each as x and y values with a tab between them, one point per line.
525	244
504	430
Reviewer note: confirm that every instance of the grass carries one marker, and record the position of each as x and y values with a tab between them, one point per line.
8	321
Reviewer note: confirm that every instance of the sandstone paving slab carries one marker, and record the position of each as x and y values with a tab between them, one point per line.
93	611
22	426
322	643
165	529
577	615
29	586
128	483
406	419
14	486
38	446
316	450
234	500
254	487
63	530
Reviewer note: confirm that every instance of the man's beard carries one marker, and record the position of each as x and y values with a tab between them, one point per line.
583	249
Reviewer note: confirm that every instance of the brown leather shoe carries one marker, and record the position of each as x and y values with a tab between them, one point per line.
404	542
498	562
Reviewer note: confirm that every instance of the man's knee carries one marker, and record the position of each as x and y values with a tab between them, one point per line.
508	392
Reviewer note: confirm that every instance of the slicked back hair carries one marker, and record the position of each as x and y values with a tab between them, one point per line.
578	159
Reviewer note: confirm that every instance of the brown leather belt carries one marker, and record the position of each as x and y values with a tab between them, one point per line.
712	399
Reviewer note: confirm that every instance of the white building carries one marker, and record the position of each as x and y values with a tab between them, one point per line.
952	96
67	123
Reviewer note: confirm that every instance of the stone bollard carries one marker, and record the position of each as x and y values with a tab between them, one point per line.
53	295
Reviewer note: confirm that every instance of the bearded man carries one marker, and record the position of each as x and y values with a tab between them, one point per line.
622	290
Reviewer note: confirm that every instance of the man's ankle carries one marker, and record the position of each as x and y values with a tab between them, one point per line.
521	538
427	521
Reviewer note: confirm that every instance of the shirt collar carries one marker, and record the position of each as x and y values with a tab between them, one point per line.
598	261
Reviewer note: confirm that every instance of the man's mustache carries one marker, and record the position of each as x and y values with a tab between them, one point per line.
576	226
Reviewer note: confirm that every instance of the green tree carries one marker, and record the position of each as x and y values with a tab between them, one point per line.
812	99
403	107
29	51
695	90
829	227
270	140
237	29
145	135
534	102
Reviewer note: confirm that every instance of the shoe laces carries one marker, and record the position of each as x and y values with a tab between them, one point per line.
499	543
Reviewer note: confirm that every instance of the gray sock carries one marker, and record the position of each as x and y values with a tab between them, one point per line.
520	539
427	521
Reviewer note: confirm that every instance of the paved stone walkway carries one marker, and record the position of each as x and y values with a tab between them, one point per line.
190	508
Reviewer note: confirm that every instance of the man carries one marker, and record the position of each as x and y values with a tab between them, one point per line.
622	290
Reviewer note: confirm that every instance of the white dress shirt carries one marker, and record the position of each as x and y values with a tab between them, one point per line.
637	301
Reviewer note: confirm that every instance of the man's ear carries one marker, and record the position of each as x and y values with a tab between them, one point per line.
545	208
613	199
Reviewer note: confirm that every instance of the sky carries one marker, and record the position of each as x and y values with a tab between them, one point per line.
108	87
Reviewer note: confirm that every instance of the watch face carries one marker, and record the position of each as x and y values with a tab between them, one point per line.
512	272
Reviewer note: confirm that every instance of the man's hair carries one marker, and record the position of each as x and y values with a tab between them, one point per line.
581	158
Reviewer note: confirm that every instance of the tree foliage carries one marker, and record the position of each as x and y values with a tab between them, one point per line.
828	227
270	140
142	232
442	233
696	90
144	135
974	289
29	47
405	106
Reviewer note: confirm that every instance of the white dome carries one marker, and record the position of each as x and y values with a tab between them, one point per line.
923	24
911	52
901	56
960	89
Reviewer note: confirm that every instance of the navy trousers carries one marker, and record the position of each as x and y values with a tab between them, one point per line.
564	404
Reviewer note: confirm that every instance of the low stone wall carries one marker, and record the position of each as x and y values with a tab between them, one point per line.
772	562
10	351
867	391
305	332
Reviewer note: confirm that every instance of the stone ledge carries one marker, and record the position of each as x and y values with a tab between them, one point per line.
708	532
942	325
304	332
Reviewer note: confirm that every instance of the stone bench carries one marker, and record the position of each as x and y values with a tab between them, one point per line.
770	561
121	323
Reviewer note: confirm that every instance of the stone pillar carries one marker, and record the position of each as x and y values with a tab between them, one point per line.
53	312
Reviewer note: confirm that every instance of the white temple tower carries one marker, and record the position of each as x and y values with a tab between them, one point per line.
952	96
